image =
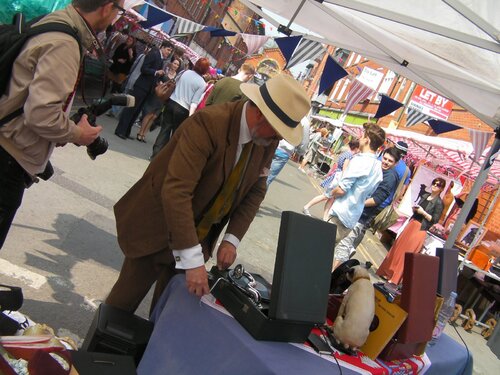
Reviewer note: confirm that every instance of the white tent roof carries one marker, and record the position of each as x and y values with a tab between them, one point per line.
449	46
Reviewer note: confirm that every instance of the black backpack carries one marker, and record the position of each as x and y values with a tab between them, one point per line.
12	39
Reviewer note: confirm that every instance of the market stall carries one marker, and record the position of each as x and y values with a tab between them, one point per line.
222	346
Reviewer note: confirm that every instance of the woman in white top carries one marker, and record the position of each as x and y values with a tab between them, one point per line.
183	102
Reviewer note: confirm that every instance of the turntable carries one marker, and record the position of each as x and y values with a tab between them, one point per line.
298	298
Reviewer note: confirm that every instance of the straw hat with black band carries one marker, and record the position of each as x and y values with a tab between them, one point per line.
283	102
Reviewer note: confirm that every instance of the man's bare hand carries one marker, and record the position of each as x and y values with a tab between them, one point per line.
226	255
88	132
197	281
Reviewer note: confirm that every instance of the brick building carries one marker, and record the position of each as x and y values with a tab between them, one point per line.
223	53
400	89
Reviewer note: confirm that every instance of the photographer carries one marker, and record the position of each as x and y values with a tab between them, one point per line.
43	83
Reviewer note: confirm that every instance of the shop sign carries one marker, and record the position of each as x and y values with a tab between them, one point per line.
430	103
370	77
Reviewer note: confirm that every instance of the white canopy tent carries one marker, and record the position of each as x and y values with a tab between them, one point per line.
449	46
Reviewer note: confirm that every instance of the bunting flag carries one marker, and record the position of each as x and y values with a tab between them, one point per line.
479	141
306	50
331	74
167	26
222	32
414	117
185	26
254	42
387	105
218	31
154	16
440	126
357	93
288	45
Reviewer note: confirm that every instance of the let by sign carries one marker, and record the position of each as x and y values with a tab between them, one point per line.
430	103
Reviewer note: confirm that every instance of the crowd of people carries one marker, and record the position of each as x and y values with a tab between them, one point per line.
360	185
220	145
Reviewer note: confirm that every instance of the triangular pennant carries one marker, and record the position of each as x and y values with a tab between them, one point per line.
306	50
358	92
331	74
185	26
209	28
222	32
287	45
128	4
254	42
144	11
414	117
154	17
167	26
440	126
479	141
387	105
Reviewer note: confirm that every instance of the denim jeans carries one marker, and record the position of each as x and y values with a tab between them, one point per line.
276	166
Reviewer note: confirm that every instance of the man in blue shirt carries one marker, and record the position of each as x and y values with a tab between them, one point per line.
400	168
358	182
373	205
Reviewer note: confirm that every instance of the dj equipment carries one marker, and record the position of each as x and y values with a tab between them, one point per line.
89	363
448	265
118	332
301	282
418	299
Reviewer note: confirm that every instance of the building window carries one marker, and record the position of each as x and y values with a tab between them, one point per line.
400	89
344	87
384	86
349	61
341	56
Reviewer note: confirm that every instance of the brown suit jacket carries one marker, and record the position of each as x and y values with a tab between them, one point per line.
161	210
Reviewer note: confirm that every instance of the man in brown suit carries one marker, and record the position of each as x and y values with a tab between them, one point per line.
212	173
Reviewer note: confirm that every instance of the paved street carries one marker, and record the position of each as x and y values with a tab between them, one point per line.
62	248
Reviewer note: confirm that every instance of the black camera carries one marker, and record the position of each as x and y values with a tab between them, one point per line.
100	145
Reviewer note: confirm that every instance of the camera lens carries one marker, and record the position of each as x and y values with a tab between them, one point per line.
98	147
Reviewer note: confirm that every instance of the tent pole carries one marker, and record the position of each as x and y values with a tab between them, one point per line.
295	14
478	183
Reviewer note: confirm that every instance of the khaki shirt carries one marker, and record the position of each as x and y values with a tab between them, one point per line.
43	76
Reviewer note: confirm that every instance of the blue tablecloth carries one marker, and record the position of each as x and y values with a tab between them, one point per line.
192	338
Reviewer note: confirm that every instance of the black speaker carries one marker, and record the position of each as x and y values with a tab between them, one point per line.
299	294
448	271
302	271
89	363
118	332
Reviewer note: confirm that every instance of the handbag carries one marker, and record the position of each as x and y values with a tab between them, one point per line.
388	216
164	90
385	218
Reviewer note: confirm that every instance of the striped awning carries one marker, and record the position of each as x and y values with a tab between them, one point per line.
447	152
